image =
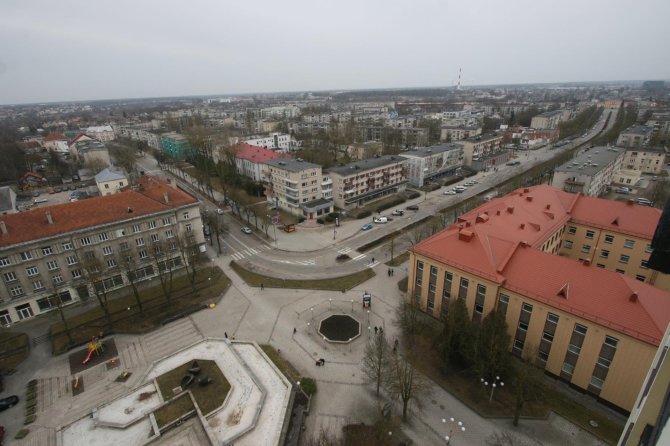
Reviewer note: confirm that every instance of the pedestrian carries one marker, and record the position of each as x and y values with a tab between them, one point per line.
395	344
381	330
389	272
373	260
262	287
225	334
375	329
294	330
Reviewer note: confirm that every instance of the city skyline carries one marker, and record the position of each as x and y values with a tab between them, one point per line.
70	52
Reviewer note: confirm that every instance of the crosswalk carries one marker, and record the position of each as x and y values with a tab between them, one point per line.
347	250
242	253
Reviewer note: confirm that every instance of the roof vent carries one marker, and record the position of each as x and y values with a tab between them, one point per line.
548	207
510	209
633	297
522	226
498	212
3	228
130	210
165	197
529	198
50	218
564	291
465	235
482	218
526	190
615	222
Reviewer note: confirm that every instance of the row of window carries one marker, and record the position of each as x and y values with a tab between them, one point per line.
609	238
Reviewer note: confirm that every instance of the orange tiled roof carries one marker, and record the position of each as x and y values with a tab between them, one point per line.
618	216
256	154
67	217
55	137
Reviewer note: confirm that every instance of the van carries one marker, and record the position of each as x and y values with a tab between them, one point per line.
381	220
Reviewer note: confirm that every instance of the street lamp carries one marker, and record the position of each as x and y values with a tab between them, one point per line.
494	384
368	316
454	426
274	227
312	310
330	303
352	305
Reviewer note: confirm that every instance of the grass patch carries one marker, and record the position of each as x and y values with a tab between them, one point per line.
332	284
14	349
173	410
282	364
22	433
207	397
399	260
210	283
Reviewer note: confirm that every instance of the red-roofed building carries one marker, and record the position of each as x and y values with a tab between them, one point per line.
592	327
55	140
250	161
48	250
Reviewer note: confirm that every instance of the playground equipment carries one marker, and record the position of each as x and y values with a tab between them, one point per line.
95	346
76	382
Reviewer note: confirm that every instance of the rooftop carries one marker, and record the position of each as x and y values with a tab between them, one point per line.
591	161
423	152
255	153
109	174
637	130
293	165
368	164
483	138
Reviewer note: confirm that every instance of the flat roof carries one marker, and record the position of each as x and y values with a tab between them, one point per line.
367	164
293	165
637	130
483	137
591	161
423	152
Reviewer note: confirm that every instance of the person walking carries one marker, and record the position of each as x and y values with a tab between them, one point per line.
262	287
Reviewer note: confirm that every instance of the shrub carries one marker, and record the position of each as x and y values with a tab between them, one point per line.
334	215
320	221
330	219
390	204
301	219
23	433
413	194
308	386
364	214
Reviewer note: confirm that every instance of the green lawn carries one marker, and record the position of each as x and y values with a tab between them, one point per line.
281	363
207	397
334	284
210	284
173	410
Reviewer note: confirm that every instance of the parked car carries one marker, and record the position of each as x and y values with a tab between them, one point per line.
381	220
513	163
623	190
412	207
460	189
449	192
644	202
8	402
219	211
398	212
246	230
366	227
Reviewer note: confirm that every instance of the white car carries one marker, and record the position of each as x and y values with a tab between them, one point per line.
246	230
381	220
449	192
460	189
219	211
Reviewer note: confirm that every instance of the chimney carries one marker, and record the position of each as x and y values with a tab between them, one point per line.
529	198
630	202
548	207
510	209
465	235
3	228
165	197
50	218
633	297
586	262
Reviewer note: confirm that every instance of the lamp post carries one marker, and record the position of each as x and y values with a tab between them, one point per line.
330	303
369	329
494	384
454	426
312	310
352	305
368	317
274	227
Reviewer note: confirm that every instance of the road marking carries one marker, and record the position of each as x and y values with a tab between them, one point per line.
309	262
373	264
359	257
344	250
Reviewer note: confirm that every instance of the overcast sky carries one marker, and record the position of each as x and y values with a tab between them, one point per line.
55	50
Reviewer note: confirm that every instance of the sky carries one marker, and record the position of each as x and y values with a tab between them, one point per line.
72	50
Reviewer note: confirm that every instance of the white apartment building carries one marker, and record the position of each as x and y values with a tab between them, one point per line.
70	250
251	161
295	186
276	141
456	133
360	182
102	133
110	181
481	147
428	163
589	173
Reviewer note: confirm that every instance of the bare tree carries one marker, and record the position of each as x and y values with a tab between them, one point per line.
129	269
125	156
189	252
96	278
408	318
56	300
96	164
164	265
405	383
528	383
506	438
375	360
390	247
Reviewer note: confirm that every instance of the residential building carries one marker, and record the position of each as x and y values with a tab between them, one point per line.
406	136
634	136
295	187
589	173
645	159
110	181
660	124
360	182
626	177
457	133
175	145
430	163
276	141
87	150
280	112
68	249
7	200
593	328
648	421
54	142
103	133
484	151
364	150
251	161
529	138
547	120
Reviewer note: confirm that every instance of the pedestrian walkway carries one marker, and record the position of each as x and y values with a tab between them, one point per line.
249	252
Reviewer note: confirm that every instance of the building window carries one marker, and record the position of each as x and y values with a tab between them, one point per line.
644	264
597	382
167	221
57	279
648	248
624	258
10	276
185	215
503	301
433	271
52	265
590	234
137	228
580	329
24	311
76	273
47	251
169	233
543	356
463	288
604	362
16	291
152	224
155	238
107	250
111	263
567	244
518	344
523	326
640	277
4	261
572	230
139	241
419	265
143	254
26	255
37	285
604	254
71	260
85	241
609	238
629	243
189	228
574	349
103	236
32	271
67	246
568	368
553	318
528	308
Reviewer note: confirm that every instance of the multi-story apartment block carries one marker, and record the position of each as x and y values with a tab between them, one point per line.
251	161
409	136
175	145
85	149
457	133
276	141
102	133
594	328
70	250
141	132
645	159
295	186
660	124
483	151
280	111
358	183
547	120
613	235
429	163
634	136
325	118
589	173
